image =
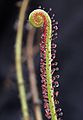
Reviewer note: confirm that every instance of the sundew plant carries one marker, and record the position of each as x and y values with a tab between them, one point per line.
48	65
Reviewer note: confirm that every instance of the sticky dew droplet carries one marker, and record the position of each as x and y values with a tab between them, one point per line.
54	45
59	110
56	93
53	21
61	114
53	64
56	84
56	102
40	7
57	76
53	56
50	9
57	68
53	16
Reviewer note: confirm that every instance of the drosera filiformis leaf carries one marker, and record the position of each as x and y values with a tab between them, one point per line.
41	19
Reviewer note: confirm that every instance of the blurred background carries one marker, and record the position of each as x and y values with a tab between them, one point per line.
69	14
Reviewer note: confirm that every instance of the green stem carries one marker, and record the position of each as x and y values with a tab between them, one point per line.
18	50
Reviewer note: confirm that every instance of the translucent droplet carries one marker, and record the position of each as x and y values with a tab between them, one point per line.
56	83
56	102
50	9
57	69
52	31
53	64
56	27
43	8
56	63
53	56
56	34
56	22
56	93
52	18
57	76
54	50
53	21
59	110
42	36
53	15
61	114
54	45
52	60
40	6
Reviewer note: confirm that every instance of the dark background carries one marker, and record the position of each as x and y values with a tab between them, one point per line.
69	14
